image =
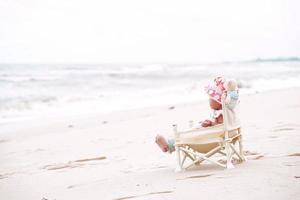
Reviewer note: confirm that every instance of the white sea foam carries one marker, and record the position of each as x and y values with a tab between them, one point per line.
31	90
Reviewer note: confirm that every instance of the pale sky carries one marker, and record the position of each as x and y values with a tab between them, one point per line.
152	31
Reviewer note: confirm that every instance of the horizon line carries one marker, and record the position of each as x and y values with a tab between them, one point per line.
258	59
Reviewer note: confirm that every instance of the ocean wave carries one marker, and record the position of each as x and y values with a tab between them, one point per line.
25	103
110	87
278	59
26	79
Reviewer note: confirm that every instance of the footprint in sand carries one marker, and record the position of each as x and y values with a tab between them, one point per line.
91	159
286	127
71	164
290	164
256	157
253	155
294	154
197	176
282	129
62	166
273	136
142	195
250	153
3	176
3	140
47	199
73	186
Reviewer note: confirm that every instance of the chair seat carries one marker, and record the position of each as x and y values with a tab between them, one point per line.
203	136
201	148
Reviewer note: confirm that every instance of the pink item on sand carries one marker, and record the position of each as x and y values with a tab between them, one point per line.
216	89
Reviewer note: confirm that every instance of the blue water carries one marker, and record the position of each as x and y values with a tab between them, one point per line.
32	90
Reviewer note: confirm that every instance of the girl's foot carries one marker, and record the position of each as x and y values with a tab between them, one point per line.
206	123
162	143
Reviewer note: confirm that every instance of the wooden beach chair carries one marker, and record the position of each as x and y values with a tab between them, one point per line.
216	144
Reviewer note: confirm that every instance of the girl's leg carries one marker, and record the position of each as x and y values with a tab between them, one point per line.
162	143
206	123
165	145
219	120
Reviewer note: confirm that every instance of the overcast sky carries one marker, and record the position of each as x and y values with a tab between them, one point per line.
152	31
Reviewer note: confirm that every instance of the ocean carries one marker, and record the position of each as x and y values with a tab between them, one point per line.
69	90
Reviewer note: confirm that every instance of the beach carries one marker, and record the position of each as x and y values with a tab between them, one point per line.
90	90
114	156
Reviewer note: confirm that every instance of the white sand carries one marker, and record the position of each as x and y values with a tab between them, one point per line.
43	159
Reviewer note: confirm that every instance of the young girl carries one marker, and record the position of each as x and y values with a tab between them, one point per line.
216	91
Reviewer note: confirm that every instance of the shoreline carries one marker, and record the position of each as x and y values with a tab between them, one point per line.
27	122
73	109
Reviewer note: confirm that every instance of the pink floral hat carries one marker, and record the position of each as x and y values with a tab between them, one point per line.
216	89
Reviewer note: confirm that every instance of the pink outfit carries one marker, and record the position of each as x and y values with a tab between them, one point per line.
215	92
216	89
216	113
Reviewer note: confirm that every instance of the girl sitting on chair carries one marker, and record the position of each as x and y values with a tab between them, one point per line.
215	92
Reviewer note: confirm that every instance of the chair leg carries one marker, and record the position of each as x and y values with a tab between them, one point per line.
229	164
236	153
241	148
179	167
193	158
183	160
202	157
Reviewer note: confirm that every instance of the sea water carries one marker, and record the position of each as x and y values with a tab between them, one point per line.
69	90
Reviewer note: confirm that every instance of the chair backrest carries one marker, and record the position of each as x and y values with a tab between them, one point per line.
225	117
230	118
